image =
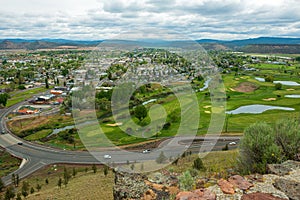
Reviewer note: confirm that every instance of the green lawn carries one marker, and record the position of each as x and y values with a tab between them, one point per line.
19	97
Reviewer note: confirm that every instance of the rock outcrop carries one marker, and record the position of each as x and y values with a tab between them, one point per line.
282	183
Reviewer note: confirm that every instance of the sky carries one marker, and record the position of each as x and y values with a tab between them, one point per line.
107	19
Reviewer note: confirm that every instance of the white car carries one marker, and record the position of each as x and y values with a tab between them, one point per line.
107	156
146	151
232	143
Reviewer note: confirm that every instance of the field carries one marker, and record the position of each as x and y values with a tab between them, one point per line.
84	185
89	185
17	97
8	163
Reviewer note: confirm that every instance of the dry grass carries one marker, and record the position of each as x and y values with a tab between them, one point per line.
84	186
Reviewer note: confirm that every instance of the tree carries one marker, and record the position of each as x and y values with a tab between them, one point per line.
269	78
25	188
161	158
66	176
46	83
198	164
94	168
1	185
186	181
74	172
278	86
3	98
140	112
19	196
59	183
9	193
31	190
38	187
105	170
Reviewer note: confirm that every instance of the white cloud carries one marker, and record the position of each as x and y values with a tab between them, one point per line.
100	19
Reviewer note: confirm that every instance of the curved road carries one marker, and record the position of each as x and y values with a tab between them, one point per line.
37	156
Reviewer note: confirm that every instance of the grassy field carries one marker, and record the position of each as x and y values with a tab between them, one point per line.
85	185
8	163
17	97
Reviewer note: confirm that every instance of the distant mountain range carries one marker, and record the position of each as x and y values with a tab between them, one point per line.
252	45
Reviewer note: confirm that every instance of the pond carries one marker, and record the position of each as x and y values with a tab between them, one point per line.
257	109
57	130
287	83
292	96
151	100
206	84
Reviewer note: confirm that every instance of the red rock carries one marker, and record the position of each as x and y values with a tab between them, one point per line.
226	187
184	195
260	196
239	182
200	194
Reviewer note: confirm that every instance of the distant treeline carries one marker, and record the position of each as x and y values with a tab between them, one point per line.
271	48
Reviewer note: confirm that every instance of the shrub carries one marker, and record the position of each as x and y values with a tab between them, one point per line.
186	181
287	137
198	164
269	78
257	148
278	86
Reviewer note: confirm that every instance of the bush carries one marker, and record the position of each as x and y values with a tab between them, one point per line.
278	86
269	78
186	181
287	137
198	164
257	148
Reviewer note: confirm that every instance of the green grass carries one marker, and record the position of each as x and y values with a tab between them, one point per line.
38	135
19	97
8	163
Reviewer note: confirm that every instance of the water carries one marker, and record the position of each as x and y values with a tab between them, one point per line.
257	109
260	79
287	83
151	100
292	96
206	84
56	131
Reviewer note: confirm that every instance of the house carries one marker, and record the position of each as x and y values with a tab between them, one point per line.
27	110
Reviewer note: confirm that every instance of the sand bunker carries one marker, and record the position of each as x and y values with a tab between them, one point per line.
246	87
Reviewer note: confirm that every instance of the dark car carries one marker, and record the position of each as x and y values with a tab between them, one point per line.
20	143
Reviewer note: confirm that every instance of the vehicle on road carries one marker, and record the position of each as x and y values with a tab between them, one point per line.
107	156
147	151
232	143
20	143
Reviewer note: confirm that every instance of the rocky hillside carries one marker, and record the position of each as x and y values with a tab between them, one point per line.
282	182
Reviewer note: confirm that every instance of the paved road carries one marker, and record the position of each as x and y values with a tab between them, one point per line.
37	156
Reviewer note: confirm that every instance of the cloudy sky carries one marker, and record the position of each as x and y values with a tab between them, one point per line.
104	19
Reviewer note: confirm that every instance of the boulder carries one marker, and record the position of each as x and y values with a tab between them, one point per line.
239	182
260	196
149	195
290	187
200	194
226	187
284	168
